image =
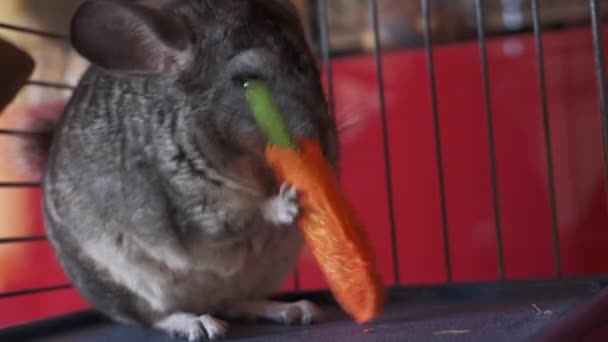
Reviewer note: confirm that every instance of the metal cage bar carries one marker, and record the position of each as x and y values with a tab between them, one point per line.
325	48
324	44
54	85
20	133
373	6
31	238
34	290
45	34
19	184
600	74
547	133
428	46
485	70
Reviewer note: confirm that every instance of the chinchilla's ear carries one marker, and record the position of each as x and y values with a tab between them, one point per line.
130	37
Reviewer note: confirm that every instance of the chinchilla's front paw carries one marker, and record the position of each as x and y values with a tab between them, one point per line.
283	209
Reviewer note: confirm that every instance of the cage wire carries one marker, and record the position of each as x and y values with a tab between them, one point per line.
321	20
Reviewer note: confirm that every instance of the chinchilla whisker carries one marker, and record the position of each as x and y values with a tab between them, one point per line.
234	111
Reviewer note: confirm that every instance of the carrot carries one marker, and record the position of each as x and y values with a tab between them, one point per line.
329	225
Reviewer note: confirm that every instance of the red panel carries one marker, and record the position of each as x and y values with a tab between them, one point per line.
23	309
37	267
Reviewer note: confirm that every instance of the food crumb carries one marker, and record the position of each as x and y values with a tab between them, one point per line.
539	312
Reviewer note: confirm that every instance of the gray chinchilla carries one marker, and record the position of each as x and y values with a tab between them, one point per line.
157	198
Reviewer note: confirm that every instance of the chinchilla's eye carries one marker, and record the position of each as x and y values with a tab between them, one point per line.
242	78
257	63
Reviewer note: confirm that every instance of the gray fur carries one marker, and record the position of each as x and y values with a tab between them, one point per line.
157	198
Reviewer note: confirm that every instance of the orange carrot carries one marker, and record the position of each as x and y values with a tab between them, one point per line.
331	230
329	225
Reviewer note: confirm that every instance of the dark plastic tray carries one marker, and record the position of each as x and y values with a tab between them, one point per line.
573	310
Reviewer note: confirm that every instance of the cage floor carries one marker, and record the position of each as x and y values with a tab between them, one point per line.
468	313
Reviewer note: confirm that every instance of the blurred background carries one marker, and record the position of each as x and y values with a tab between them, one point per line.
411	245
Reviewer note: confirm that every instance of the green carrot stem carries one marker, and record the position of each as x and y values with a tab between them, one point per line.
267	115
